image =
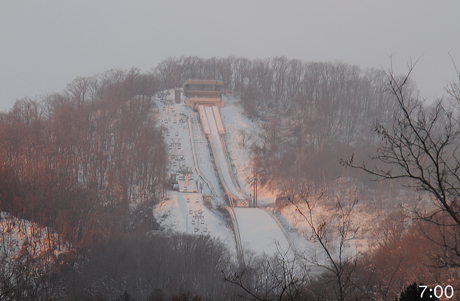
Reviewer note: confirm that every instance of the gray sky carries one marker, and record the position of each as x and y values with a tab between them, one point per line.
46	44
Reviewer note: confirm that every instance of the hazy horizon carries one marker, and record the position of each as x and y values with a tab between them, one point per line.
46	45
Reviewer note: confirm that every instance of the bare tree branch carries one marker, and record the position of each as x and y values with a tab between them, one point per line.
421	146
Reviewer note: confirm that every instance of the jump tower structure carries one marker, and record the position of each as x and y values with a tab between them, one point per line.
205	96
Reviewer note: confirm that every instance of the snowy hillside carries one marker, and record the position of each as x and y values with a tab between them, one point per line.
20	238
193	166
241	133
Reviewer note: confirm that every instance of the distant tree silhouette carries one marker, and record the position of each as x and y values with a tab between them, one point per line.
157	295
413	293
186	296
125	297
421	147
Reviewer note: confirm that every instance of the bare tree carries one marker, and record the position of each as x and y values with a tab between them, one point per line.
280	277
422	147
333	235
245	136
81	89
454	87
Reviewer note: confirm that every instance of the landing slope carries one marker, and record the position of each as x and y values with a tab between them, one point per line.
260	232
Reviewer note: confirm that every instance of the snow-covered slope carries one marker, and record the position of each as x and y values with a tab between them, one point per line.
219	152
260	232
189	151
185	212
179	211
241	133
19	236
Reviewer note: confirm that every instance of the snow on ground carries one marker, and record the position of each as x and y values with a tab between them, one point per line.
366	215
182	130
241	133
189	149
259	232
203	161
219	152
325	210
180	211
19	234
235	123
185	212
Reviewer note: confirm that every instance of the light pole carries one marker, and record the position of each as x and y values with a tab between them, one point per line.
254	188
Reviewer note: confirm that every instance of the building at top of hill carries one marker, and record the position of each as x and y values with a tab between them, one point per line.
203	92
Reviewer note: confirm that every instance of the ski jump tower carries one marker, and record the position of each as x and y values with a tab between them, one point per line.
205	96
204	92
249	224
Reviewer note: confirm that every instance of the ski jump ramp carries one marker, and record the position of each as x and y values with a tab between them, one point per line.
214	129
255	229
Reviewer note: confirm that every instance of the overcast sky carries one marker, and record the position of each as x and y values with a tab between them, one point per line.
46	44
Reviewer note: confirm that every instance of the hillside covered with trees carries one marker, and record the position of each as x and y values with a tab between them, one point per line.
88	164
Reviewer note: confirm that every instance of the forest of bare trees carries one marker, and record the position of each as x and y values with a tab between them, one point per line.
75	161
89	164
312	111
